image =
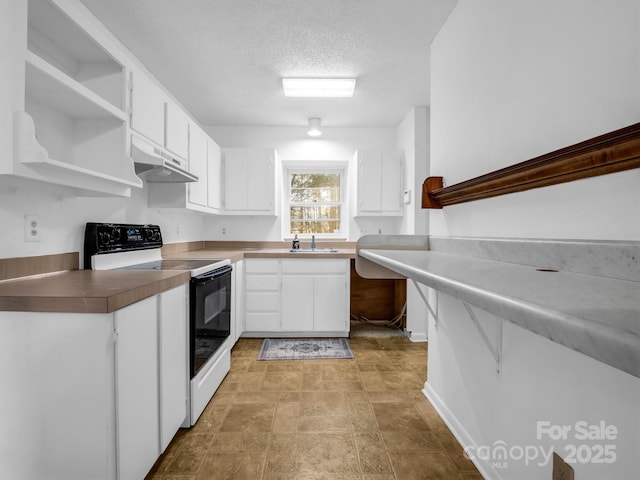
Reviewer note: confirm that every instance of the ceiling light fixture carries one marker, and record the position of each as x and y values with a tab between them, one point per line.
318	87
314	127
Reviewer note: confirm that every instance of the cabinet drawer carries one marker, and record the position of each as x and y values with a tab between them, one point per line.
262	283
262	266
262	301
262	322
314	266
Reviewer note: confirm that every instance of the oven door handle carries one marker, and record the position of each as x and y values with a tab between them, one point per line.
209	276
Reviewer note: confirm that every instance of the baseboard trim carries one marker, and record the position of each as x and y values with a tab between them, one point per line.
420	337
461	434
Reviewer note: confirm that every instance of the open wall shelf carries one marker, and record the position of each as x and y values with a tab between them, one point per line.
612	152
73	130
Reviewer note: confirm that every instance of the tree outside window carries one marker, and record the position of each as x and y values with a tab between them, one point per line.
315	202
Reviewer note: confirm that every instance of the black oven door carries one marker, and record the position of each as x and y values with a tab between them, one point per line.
210	316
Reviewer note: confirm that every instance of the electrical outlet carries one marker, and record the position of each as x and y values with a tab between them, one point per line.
224	230
32	228
561	469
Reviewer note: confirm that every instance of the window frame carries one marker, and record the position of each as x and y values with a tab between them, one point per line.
320	168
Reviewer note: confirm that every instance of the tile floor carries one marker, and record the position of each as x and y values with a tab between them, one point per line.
360	419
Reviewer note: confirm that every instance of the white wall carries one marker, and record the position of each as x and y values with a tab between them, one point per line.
512	80
413	139
292	143
64	215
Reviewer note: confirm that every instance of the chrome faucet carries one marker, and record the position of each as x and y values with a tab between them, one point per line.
313	242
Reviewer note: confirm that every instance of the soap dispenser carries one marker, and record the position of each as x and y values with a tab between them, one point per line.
296	243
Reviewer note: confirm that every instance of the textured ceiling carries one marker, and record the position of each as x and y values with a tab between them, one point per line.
224	59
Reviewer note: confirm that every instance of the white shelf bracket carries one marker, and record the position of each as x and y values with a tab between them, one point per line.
433	312
496	351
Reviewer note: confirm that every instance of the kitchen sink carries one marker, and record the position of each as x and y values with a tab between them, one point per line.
314	250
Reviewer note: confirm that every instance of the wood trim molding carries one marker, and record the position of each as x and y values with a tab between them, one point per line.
609	153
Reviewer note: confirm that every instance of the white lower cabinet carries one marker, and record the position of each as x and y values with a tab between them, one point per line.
90	395
262	296
137	408
290	297
174	362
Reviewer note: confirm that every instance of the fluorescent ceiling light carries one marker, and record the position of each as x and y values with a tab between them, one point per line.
318	87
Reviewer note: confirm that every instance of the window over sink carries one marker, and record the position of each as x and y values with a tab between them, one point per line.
314	202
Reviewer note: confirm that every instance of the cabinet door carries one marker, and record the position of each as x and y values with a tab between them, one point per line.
249	181
262	296
369	181
260	180
380	182
198	165
147	107
238	298
174	362
137	409
297	303
176	130
331	312
235	180
392	183
214	174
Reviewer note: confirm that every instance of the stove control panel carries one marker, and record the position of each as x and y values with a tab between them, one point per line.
100	238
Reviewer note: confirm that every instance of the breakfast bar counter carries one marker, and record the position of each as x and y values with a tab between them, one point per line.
598	316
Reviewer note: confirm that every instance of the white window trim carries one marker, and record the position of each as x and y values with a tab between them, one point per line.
294	166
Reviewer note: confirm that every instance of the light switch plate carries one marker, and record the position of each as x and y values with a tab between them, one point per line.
407	197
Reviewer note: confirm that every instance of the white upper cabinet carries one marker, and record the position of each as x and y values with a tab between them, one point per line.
198	165
176	132
72	129
380	176
147	106
202	196
249	181
214	175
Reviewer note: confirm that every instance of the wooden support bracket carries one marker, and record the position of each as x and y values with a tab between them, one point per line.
431	184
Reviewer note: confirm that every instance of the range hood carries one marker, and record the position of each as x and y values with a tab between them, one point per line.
154	164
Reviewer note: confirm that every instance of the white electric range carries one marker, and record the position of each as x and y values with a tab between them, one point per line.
110	246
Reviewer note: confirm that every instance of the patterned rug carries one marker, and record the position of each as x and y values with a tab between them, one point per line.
304	348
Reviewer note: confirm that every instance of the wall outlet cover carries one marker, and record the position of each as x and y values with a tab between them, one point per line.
561	469
32	228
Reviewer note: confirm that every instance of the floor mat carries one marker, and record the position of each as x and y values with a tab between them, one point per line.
304	348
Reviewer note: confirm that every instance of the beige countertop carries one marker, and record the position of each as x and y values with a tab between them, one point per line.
86	291
105	291
255	252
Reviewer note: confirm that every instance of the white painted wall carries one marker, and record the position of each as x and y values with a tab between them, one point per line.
512	80
292	143
413	139
63	217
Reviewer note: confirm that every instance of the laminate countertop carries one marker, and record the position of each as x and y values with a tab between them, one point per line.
86	291
238	254
595	315
105	291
